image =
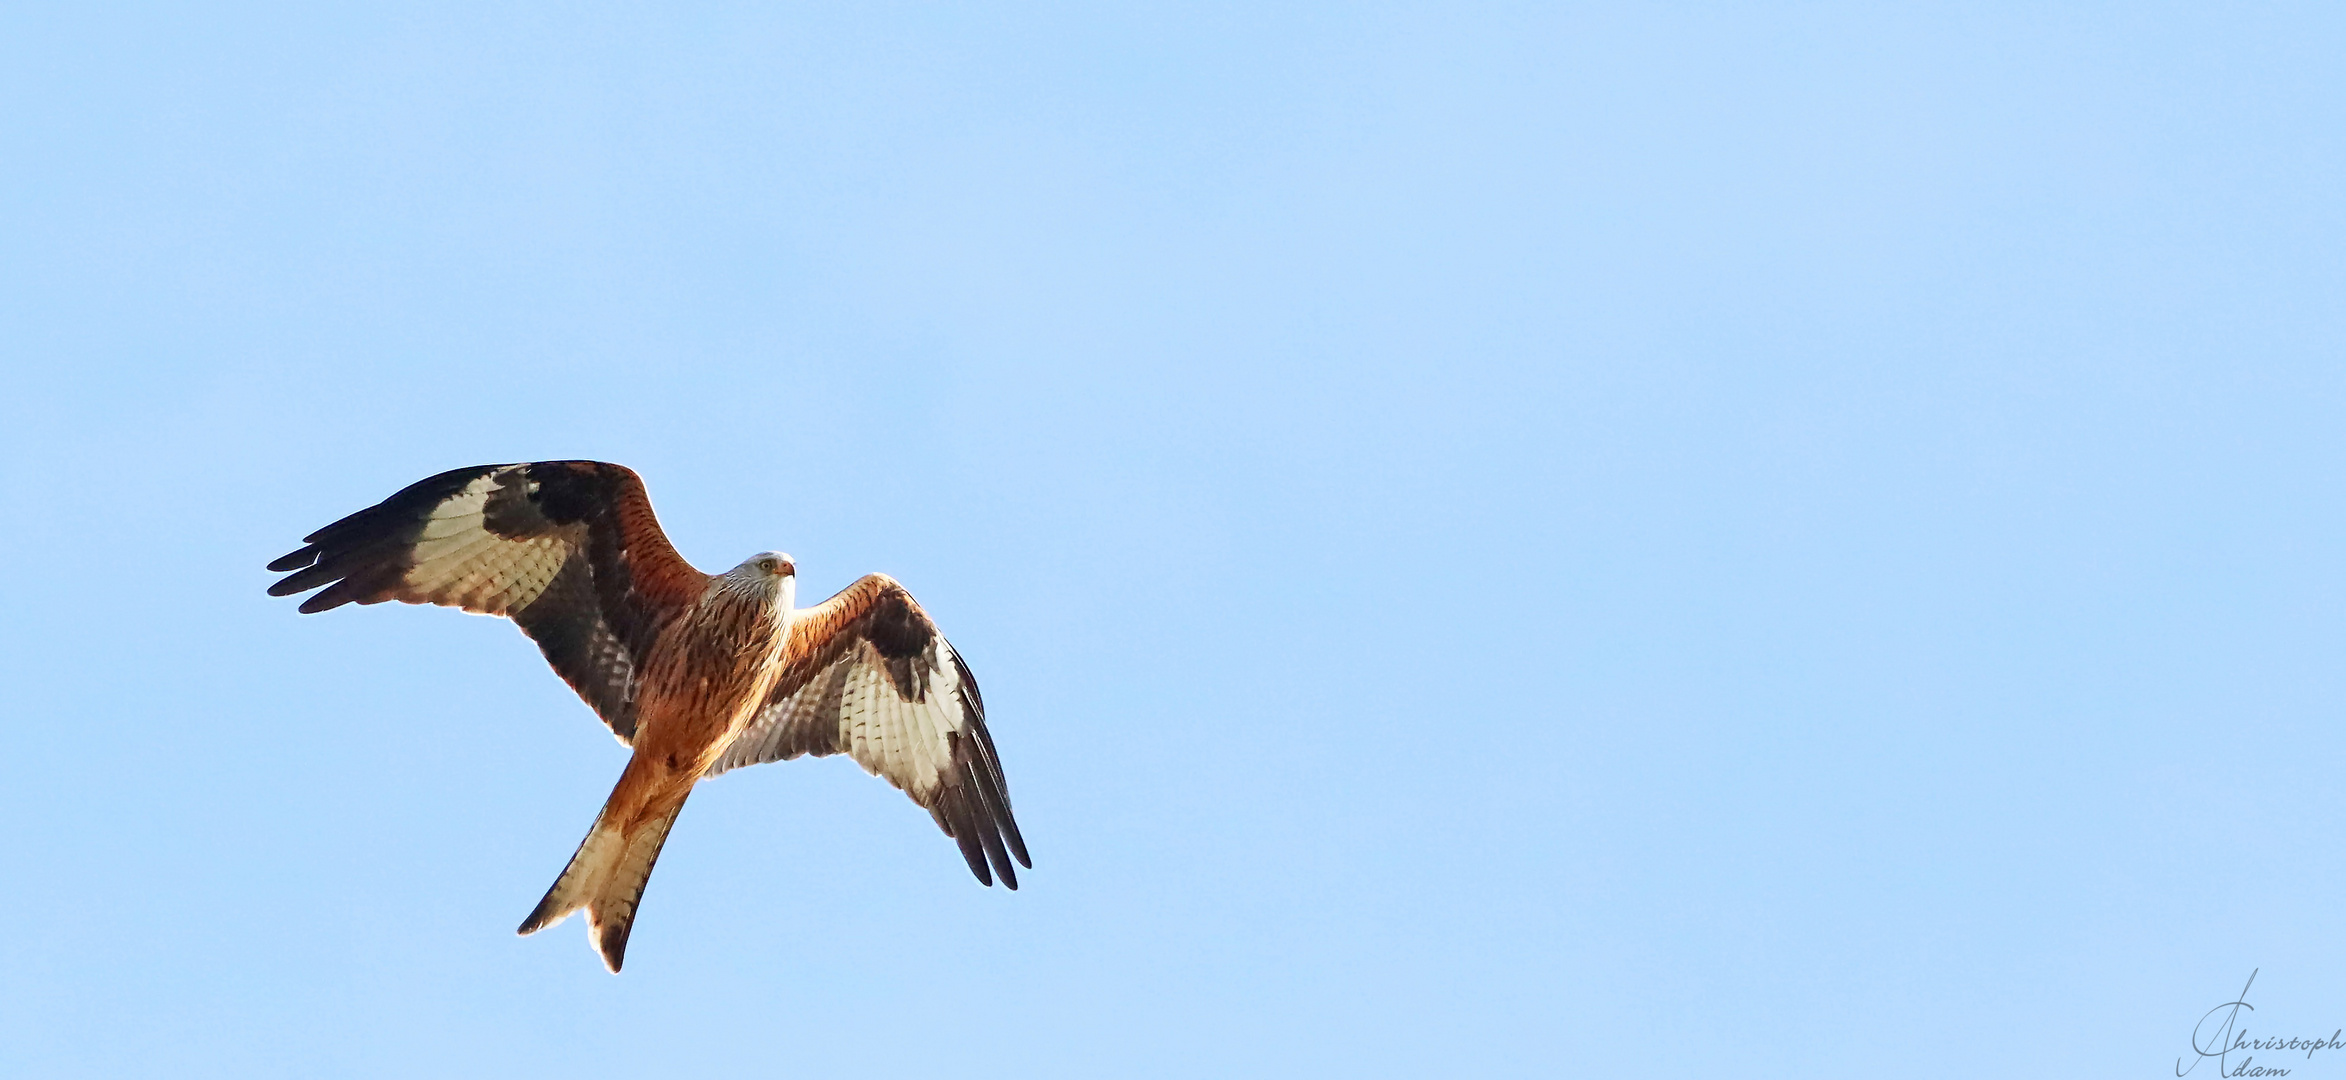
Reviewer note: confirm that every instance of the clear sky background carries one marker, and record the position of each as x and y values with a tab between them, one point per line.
1790	540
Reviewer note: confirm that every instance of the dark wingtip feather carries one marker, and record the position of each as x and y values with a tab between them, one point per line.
984	775
1000	859
960	824
325	601
308	578
1008	823
985	815
379	533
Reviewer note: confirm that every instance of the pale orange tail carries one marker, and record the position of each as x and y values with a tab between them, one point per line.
606	877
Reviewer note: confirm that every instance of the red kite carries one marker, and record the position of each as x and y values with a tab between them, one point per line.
697	673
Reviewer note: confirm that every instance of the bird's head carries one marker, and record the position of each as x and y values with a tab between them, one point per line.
768	574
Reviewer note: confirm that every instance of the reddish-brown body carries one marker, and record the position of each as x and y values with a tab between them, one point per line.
707	675
708	672
696	673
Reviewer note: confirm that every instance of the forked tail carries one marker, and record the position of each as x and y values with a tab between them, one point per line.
606	877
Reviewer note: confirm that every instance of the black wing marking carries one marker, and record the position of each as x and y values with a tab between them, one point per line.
869	676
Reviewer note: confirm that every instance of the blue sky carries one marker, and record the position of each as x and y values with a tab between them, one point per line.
1499	540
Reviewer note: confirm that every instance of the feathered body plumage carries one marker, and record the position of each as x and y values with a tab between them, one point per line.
697	673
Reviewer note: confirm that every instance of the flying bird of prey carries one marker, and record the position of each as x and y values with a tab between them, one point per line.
697	673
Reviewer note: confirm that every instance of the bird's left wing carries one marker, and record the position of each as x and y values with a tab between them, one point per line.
868	675
568	549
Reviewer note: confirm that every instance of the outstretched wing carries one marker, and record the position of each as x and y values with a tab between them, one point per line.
568	549
868	675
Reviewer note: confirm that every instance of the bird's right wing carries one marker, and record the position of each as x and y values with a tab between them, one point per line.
568	549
